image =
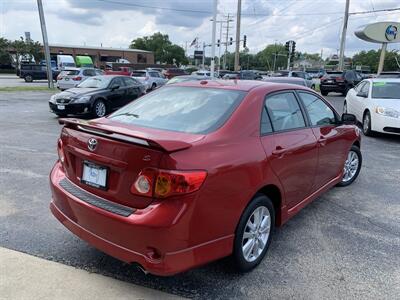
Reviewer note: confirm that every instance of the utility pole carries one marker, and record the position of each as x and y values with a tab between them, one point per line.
45	45
204	54
214	29
239	12
219	46
228	20
343	37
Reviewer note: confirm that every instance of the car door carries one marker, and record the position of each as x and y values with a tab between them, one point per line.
351	101
117	96
294	154
133	89
360	101
324	123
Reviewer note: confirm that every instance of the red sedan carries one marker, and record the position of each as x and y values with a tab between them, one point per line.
197	171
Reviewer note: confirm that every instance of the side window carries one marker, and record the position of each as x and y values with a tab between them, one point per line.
284	111
117	82
266	126
359	86
89	72
154	74
365	88
129	81
319	112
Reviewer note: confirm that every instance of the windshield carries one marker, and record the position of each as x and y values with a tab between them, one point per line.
183	109
70	72
99	82
386	90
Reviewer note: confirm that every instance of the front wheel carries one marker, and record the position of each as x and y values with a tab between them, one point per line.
99	109
352	166
324	93
28	78
253	233
367	124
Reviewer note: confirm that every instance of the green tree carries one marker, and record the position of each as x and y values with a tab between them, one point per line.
371	58
270	54
5	58
164	50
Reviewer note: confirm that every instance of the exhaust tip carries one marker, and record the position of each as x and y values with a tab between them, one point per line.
140	268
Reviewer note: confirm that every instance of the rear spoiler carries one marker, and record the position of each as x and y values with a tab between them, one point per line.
124	135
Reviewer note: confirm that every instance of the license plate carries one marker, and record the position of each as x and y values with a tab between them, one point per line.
94	175
61	107
66	78
329	81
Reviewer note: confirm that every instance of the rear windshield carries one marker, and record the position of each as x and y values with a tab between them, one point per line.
70	72
183	109
386	90
138	74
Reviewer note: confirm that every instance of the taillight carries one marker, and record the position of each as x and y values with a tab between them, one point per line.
322	78
77	78
340	79
59	77
60	151
165	183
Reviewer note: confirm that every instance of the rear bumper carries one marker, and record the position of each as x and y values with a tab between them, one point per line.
333	87
63	85
157	237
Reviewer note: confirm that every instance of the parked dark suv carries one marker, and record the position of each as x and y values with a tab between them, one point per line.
339	81
31	72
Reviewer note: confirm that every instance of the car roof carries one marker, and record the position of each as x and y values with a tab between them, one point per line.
277	78
394	79
239	85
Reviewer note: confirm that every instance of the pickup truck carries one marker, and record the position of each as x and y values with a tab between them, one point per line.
31	72
125	71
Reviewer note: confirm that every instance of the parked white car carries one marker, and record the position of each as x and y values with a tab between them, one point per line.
71	77
376	103
150	78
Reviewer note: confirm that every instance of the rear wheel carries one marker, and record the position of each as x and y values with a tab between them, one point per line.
253	234
367	124
153	86
28	78
352	166
99	109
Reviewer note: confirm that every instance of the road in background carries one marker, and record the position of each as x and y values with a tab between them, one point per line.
343	245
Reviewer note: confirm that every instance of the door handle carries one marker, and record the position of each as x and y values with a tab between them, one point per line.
279	152
322	141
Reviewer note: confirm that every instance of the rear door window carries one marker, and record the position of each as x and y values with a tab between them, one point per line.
89	72
138	74
284	111
183	109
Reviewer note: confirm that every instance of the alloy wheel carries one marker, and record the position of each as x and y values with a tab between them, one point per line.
100	109
366	123
351	166
256	233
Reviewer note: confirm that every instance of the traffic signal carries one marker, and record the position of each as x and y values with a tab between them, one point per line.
218	42
293	47
244	41
287	46
230	41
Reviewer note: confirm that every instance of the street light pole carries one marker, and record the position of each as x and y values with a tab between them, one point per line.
45	45
343	37
214	28
239	11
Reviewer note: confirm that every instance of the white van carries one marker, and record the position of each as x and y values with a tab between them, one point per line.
65	61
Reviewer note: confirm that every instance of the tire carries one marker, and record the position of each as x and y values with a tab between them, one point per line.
324	93
28	78
99	109
353	165
366	125
153	86
245	262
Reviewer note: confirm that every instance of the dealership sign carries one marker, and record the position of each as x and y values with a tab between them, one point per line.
380	32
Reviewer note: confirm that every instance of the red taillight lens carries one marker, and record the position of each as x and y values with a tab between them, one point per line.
77	78
60	151
340	79
59	77
322	78
165	183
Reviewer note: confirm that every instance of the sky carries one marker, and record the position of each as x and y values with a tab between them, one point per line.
315	25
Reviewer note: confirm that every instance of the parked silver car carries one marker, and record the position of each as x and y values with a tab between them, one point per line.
71	77
298	74
150	78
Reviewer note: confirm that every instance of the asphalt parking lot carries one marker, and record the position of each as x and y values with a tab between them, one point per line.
346	244
10	80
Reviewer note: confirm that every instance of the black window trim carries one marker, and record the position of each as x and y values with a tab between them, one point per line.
335	113
305	118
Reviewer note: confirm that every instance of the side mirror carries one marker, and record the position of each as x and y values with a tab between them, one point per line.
115	87
362	94
349	119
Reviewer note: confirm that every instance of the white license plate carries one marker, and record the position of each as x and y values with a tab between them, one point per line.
329	81
94	175
61	107
66	78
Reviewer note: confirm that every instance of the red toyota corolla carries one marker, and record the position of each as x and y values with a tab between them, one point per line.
197	171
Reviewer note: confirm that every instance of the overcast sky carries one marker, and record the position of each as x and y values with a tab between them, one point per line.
313	24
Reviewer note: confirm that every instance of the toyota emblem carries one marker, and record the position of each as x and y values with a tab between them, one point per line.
92	144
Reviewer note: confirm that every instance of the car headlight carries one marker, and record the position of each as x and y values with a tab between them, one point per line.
82	99
389	112
53	99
